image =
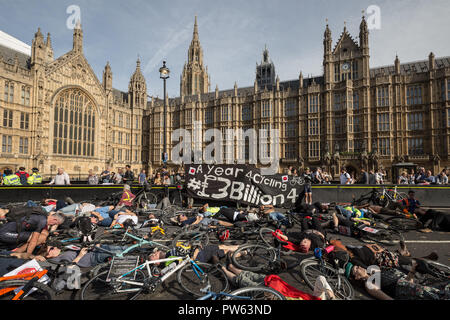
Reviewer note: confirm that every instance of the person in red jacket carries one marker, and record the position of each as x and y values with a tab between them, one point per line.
126	202
23	175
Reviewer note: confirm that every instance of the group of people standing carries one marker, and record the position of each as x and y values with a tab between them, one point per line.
423	177
21	177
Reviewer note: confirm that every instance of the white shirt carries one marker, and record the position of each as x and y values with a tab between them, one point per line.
61	179
122	218
344	178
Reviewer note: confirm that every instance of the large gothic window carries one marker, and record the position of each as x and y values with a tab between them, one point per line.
74	124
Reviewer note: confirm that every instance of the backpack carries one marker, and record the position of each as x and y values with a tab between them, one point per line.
20	215
86	228
23	178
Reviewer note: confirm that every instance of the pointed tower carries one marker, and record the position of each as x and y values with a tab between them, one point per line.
78	38
48	50
38	49
265	72
137	89
397	65
364	45
194	79
107	78
432	61
327	54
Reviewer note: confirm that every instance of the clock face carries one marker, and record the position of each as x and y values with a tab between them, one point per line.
346	66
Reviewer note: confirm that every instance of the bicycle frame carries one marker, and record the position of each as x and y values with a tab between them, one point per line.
140	243
29	276
147	265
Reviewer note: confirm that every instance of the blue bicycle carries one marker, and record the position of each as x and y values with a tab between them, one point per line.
120	283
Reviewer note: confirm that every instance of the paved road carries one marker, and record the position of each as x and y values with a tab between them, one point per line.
419	244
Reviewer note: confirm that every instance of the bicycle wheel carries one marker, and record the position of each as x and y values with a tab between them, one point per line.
98	288
253	257
267	237
387	237
145	199
440	271
41	291
311	269
404	224
172	209
255	293
197	284
198	237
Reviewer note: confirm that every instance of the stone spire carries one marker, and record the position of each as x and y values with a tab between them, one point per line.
38	49
432	61
195	37
78	38
137	89
195	78
107	77
363	34
327	40
397	65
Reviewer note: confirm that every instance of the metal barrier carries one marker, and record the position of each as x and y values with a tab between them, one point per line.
11	194
429	196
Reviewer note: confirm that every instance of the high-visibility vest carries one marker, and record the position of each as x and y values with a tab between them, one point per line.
12	180
36	178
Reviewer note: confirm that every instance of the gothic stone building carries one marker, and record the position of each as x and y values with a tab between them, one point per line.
57	113
352	116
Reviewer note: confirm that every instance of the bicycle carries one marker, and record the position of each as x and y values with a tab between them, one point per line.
25	287
138	243
194	277
312	268
260	258
249	293
374	232
389	195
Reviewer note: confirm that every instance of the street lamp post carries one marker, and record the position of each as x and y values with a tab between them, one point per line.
164	74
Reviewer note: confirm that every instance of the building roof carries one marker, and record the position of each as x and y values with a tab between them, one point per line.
13	43
9	56
411	67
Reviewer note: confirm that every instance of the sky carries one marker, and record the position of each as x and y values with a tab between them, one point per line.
233	34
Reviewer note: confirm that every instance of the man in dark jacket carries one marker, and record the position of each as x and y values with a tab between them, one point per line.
364	177
128	177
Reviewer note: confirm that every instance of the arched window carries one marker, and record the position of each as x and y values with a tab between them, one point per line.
74	127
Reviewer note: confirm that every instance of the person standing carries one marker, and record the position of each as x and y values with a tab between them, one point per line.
364	177
128	177
345	177
403	178
117	179
10	178
142	178
35	178
23	176
106	176
61	178
92	178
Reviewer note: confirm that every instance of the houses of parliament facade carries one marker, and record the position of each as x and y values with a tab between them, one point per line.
56	112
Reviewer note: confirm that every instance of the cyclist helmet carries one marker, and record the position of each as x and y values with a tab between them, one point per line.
183	248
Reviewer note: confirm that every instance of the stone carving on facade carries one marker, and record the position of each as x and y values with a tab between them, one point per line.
436	159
